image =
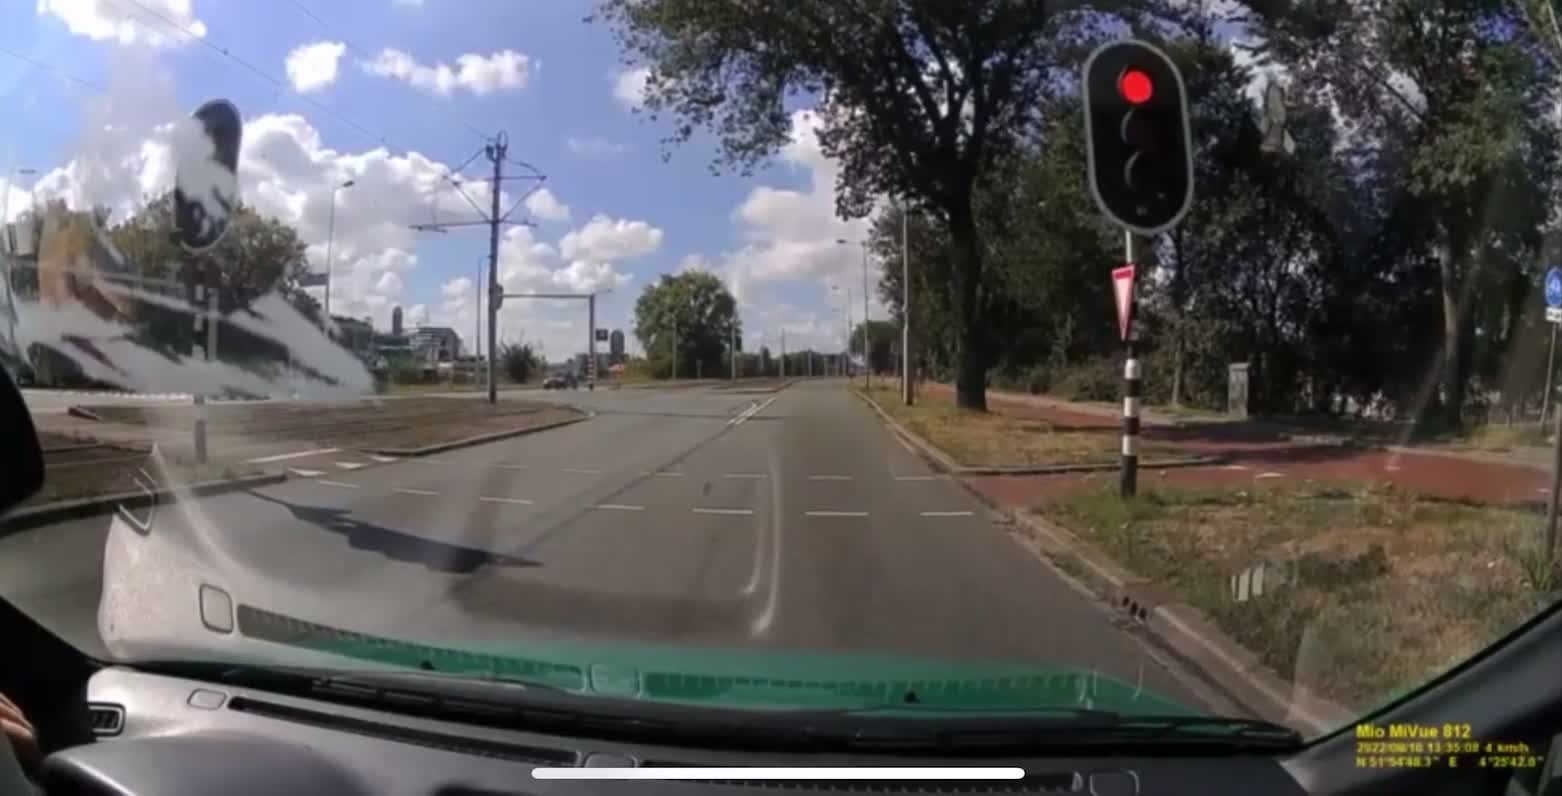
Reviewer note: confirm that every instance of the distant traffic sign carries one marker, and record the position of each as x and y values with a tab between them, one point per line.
1554	314
1554	287
1123	291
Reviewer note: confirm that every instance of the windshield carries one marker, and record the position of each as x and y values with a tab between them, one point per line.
820	355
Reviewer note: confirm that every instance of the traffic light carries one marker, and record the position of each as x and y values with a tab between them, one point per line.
1137	136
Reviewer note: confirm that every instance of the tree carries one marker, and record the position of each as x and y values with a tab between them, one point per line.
693	311
921	101
883	339
256	256
520	361
1450	105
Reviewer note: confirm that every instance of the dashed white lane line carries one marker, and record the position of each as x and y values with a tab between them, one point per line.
581	470
744	475
351	465
512	466
301	473
948	513
1269	475
383	459
662	474
835	513
282	457
617	507
737	512
432	462
1235	467
917	477
829	478
516	501
340	484
405	491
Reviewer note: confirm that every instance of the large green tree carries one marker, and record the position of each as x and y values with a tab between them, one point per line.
692	313
920	100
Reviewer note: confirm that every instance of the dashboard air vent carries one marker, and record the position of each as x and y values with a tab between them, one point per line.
107	720
435	740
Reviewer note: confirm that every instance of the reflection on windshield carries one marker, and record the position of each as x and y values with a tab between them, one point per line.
747	449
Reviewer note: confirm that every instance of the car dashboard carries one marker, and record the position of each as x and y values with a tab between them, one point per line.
160	734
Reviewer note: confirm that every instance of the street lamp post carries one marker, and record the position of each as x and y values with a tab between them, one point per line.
905	311
867	366
330	238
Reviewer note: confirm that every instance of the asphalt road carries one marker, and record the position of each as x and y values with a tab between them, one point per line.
780	520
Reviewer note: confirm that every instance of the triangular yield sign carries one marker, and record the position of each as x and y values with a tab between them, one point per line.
1123	291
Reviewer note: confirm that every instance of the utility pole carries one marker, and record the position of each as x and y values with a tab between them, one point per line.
783	353
867	362
497	152
905	310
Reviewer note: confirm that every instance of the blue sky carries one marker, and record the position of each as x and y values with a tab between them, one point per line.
393	94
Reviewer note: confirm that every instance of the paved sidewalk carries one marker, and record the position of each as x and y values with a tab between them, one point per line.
1255	452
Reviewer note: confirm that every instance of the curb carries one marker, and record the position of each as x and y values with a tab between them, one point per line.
33	516
1196	642
1228	665
84	413
429	450
950	466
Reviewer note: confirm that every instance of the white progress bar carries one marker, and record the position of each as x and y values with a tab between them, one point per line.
906	773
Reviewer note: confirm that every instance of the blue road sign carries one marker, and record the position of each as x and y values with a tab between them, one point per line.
1554	287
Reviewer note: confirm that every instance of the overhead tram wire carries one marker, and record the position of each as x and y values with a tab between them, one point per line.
361	53
52	69
273	80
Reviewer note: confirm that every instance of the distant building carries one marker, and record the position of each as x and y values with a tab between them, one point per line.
615	347
354	334
436	343
396	321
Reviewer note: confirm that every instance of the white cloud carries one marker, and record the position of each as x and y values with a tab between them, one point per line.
544	205
592	146
478	74
789	238
311	67
629	86
113	20
604	238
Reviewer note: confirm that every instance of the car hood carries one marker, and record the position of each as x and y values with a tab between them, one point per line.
737	677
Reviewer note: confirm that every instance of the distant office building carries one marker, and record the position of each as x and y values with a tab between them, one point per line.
396	321
354	334
615	347
436	343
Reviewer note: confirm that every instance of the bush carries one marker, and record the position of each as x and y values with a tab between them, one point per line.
1099	379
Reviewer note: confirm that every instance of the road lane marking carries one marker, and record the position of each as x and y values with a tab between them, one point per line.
342	484
516	501
753	409
405	491
1269	475
282	457
383	459
739	512
435	462
836	513
617	507
906	445
916	478
581	470
351	465
829	478
947	513
744	475
1235	467
662	474
511	466
305	473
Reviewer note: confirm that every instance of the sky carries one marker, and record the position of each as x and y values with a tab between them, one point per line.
398	96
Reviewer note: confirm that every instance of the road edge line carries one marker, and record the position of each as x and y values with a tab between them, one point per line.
1233	670
430	450
75	508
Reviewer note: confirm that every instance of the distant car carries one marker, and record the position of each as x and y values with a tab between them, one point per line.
560	381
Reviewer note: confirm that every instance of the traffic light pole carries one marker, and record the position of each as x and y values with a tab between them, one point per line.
1131	387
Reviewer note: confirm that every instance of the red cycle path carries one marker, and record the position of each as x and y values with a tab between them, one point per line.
1253	453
